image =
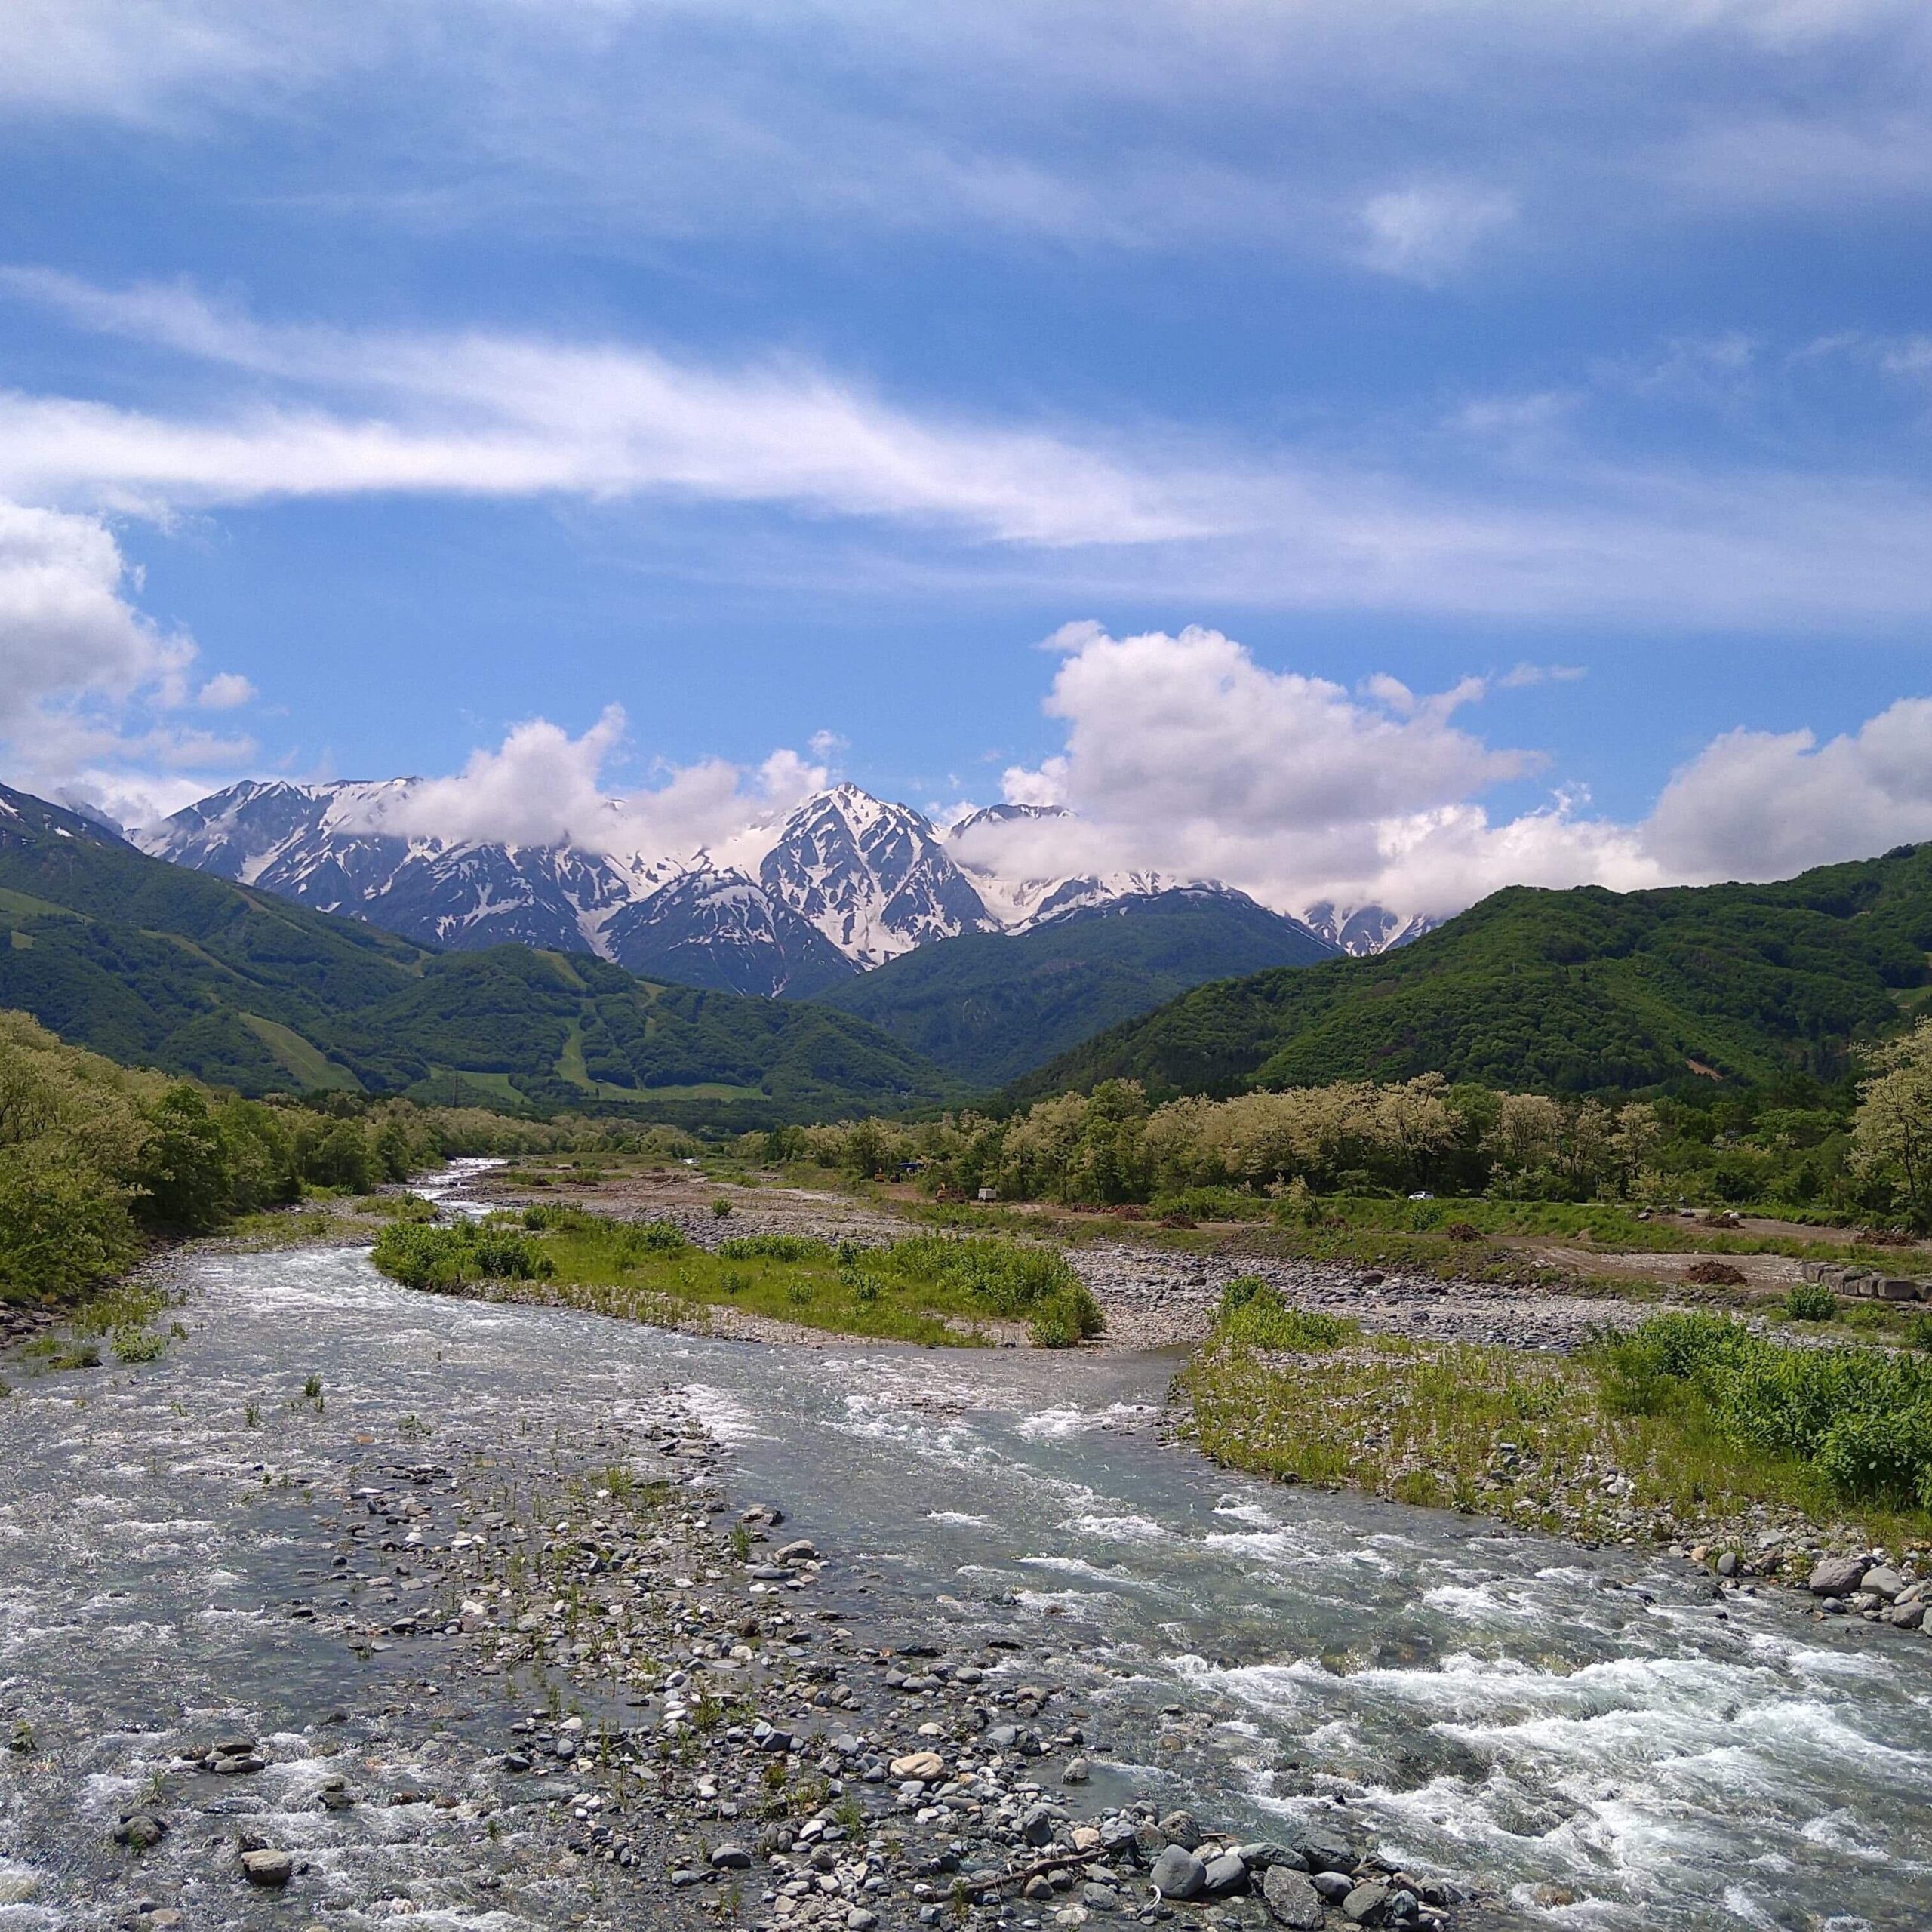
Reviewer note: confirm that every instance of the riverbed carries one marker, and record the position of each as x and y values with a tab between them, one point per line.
1588	1738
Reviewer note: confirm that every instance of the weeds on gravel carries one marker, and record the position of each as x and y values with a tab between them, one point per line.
925	1288
1686	1419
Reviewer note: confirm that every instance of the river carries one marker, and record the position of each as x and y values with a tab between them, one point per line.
1587	1736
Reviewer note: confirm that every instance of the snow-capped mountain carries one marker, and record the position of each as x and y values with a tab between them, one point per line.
873	878
1365	930
843	883
326	846
848	881
718	928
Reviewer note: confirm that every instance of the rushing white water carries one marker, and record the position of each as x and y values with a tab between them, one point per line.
1590	1735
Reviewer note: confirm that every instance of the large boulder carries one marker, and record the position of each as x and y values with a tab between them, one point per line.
1838	1576
1178	1873
1291	1900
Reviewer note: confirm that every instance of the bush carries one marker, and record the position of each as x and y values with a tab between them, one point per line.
1862	1418
1810	1301
1252	1310
442	1258
721	1208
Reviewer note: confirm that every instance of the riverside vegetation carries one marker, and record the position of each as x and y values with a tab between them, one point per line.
1686	1424
928	1289
98	1161
1859	1150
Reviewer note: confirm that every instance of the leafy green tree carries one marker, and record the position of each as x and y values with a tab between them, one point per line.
184	1176
1891	1135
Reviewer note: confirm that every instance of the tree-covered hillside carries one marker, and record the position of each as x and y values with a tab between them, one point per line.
153	964
988	1006
1578	991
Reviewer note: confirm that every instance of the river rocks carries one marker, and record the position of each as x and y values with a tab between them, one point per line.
140	1831
1836	1576
1883	1581
1365	1904
235	1757
1178	1873
1180	1828
1324	1850
1291	1900
923	1766
270	1869
1226	1873
730	1858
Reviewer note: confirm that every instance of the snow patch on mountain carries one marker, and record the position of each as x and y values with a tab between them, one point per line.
1364	930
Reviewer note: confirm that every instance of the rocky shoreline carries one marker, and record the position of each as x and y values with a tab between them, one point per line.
693	1729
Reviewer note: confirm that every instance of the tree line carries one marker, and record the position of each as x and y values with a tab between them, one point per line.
98	1159
1862	1148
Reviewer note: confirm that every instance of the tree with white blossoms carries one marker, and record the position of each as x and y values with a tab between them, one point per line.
1891	1134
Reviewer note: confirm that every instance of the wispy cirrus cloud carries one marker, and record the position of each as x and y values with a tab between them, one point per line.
1545	530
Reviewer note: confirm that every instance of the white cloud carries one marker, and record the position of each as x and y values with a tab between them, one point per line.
66	627
541	786
88	683
224	691
1426	234
1764	805
1516	533
1524	676
1183	755
497	415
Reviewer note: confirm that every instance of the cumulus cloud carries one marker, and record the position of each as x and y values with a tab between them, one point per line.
224	691
1183	755
88	682
541	786
1764	804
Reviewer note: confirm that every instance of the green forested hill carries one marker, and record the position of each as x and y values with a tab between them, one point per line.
1574	992
988	1006
154	964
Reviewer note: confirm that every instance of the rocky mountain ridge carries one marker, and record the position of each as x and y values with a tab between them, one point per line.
846	882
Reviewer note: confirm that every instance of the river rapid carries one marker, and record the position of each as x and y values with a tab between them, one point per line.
1591	1739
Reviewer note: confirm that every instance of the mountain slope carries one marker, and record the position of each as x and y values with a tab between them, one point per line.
873	878
154	963
710	928
988	1006
1576	992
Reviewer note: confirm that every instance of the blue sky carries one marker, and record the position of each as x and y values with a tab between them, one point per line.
379	378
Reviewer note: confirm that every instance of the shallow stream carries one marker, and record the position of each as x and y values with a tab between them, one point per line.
1589	1736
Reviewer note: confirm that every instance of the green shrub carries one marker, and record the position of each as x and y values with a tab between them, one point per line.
1860	1417
1253	1312
1810	1301
775	1247
438	1257
721	1208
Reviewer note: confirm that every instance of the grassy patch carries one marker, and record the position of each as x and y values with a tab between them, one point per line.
301	1058
1687	1424
926	1289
